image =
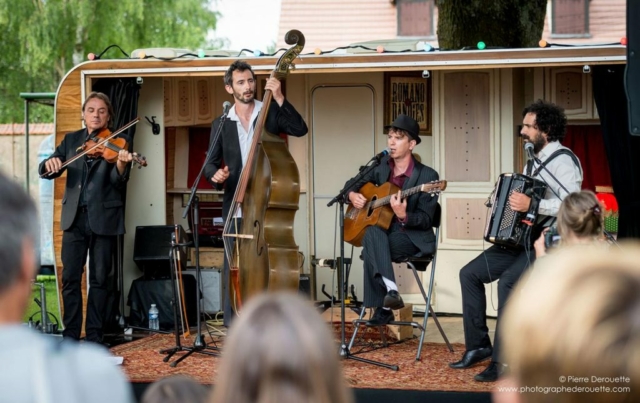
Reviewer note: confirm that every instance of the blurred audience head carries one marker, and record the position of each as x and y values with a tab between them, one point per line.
576	324
580	216
280	350
580	221
18	245
176	389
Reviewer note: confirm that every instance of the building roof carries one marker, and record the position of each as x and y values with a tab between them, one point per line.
330	24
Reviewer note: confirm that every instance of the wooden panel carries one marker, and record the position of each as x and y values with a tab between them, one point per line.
184	105
169	104
203	100
466	123
465	218
570	88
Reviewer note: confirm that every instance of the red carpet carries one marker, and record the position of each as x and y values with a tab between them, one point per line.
143	364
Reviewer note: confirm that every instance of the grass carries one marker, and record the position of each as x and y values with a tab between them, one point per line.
51	294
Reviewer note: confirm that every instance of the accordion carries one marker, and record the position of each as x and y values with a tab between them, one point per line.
505	226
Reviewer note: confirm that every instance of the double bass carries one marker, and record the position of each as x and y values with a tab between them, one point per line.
264	255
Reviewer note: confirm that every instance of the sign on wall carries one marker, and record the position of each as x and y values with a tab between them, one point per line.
408	93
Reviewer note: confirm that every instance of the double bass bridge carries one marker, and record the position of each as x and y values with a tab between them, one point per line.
243	236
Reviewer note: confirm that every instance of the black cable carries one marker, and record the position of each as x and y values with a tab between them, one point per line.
322	52
109	47
549	44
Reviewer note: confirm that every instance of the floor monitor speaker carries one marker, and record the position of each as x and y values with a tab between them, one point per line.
152	246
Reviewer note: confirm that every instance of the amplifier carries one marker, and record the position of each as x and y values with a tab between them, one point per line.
211	286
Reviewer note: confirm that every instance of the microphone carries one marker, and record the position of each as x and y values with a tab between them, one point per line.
226	105
381	154
528	149
324	263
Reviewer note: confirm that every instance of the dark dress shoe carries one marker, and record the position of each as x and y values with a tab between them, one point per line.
393	300
472	357
380	317
491	373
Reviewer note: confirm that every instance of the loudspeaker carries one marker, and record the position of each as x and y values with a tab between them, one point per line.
145	292
632	79
152	246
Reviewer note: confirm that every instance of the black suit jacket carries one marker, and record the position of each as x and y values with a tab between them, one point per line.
280	119
104	188
421	206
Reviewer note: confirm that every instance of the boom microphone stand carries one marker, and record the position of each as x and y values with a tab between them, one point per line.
199	345
342	280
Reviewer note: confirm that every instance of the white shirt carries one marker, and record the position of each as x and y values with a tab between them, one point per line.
245	138
564	169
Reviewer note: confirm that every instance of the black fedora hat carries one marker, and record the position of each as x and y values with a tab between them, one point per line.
408	124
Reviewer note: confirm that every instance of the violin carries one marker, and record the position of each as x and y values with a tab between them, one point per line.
108	150
103	144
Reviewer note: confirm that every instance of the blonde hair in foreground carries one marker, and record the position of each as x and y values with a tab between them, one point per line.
280	350
577	316
581	214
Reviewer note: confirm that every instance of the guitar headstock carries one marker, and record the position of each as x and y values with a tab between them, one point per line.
434	187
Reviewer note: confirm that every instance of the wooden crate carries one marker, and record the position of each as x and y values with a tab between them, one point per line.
406	315
209	257
397	332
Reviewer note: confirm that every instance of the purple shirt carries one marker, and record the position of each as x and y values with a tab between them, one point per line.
400	180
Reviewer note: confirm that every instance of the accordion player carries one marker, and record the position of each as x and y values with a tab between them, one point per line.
508	227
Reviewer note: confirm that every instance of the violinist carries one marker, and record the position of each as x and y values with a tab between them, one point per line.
234	143
92	217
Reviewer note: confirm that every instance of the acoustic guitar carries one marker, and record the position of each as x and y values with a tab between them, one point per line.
377	210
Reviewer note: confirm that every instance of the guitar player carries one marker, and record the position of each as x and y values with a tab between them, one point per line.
410	232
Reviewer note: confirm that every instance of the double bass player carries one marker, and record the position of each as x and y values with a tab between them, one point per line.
236	136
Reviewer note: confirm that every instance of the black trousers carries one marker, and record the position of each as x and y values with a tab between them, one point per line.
496	263
381	247
77	241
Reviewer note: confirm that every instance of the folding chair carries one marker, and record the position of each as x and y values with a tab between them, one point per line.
416	264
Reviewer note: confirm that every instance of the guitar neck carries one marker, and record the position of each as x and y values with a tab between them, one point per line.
405	193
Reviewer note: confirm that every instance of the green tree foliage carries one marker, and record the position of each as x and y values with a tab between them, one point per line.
504	23
41	40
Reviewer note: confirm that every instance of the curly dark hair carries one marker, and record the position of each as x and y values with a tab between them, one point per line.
239	65
550	119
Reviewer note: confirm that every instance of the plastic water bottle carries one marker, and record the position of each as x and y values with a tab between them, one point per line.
154	322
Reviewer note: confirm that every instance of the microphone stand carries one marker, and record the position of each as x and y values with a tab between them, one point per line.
340	198
169	352
193	203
